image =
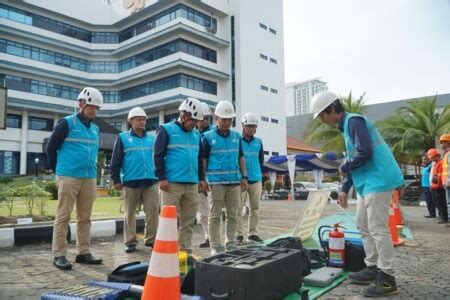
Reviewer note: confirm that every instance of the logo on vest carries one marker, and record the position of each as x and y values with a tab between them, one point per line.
213	142
235	141
130	139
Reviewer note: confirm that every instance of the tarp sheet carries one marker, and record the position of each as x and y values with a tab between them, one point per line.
329	162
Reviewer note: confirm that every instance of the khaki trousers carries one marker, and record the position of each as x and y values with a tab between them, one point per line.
73	191
185	198
372	217
254	196
203	209
229	197
149	199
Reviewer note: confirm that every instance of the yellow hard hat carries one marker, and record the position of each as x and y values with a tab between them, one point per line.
444	138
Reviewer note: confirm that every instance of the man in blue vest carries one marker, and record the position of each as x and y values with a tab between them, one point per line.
179	168
132	171
371	168
426	191
204	197
226	173
72	153
254	159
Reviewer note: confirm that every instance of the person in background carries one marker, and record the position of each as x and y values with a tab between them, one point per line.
426	191
132	170
444	140
437	186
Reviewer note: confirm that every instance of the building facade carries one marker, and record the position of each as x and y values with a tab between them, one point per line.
149	53
298	95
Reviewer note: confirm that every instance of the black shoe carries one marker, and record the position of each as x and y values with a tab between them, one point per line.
367	275
88	259
191	260
239	239
255	238
205	244
62	263
429	216
384	285
130	248
441	222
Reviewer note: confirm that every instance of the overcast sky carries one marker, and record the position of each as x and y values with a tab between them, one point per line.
390	49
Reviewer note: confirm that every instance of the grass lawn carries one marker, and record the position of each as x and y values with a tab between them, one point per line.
104	207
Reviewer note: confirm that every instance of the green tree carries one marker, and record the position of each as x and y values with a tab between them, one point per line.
330	137
414	128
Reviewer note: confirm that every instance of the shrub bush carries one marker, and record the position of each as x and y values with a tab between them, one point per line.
52	188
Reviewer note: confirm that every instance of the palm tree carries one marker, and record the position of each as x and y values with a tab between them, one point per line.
415	128
330	137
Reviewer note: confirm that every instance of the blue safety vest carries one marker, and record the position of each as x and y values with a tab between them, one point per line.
181	161
223	161
251	153
77	156
425	181
138	156
381	172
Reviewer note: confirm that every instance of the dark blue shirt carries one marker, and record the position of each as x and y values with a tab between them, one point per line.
116	165
363	143
57	137
161	142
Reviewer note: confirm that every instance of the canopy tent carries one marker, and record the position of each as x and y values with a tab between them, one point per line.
318	163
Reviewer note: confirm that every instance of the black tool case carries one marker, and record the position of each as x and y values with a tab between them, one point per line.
254	273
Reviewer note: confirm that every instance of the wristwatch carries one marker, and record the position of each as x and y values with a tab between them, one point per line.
245	177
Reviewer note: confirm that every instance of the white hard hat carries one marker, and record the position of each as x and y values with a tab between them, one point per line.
91	96
249	119
225	109
322	100
136	112
193	106
206	109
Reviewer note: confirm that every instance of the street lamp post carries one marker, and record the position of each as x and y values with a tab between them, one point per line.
36	161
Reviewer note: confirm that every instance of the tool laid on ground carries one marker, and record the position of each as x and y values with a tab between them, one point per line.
322	277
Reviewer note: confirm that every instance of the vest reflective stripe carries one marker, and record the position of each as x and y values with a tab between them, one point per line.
251	152
223	161
181	161
77	156
138	160
381	172
445	163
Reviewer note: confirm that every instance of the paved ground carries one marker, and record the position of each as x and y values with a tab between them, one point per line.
423	268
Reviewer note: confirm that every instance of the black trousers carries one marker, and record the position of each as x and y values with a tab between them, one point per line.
429	200
441	203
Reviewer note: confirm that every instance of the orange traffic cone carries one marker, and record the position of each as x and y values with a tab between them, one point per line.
163	275
393	228
289	197
396	204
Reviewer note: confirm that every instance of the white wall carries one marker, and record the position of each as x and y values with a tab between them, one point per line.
252	71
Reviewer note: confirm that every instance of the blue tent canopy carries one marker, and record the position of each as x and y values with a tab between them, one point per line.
329	162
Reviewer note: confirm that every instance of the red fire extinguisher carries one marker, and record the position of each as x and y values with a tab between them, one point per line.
336	247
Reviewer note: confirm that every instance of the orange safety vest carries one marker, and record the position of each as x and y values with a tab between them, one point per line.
445	162
436	172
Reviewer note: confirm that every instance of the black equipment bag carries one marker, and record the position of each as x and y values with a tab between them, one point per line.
249	273
354	257
295	243
134	273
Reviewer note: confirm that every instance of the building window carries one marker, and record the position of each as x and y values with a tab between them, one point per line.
265	119
264	88
9	162
275	153
13	121
266	152
261	25
263	56
274	121
171	117
274	91
273	31
152	124
273	60
117	125
42	124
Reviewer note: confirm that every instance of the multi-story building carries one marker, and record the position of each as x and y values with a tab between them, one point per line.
146	53
298	95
